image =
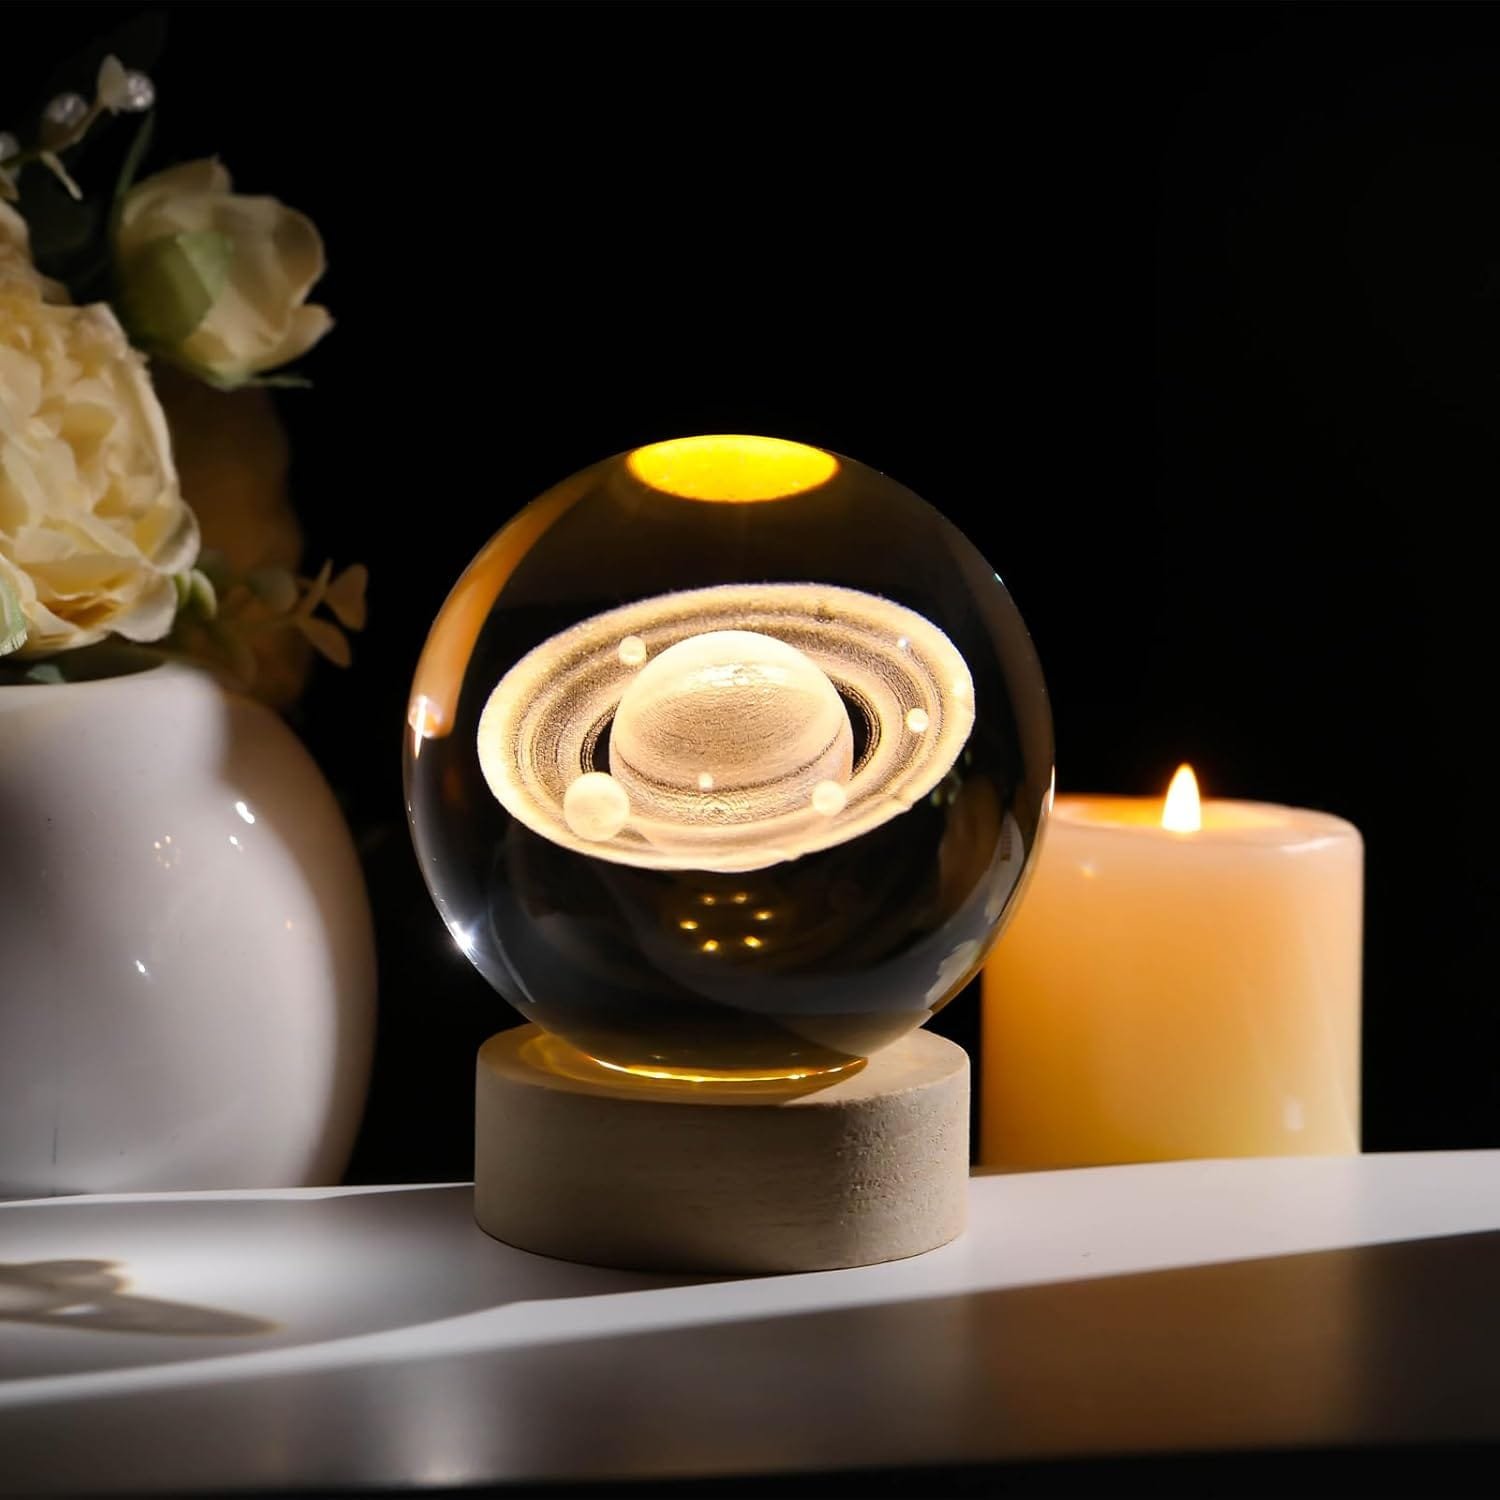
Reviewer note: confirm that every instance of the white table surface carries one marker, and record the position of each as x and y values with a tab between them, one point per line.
375	1337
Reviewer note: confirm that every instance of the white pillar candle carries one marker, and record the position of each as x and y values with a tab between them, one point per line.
1177	983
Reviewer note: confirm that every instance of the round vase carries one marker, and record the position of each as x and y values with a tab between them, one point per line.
187	966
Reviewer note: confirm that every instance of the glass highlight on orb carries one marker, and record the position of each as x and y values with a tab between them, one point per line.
736	791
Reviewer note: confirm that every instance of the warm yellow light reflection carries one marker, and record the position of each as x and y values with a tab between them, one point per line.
555	1056
732	467
688	925
722	1082
1182	812
752	942
763	916
711	946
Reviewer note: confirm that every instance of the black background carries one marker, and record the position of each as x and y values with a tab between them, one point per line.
1190	314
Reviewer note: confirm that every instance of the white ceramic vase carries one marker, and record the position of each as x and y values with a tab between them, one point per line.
187	968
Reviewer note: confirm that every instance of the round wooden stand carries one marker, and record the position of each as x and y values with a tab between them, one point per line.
576	1161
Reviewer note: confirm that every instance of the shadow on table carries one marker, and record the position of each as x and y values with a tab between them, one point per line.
170	1280
88	1295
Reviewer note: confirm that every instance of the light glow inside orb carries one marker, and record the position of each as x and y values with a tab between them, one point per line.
734	747
734	468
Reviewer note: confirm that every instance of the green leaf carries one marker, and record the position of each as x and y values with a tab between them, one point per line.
63	231
129	169
196	594
70	241
12	619
45	672
202	594
168	286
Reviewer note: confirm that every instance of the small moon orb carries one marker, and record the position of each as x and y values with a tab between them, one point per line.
596	807
829	798
632	651
917	720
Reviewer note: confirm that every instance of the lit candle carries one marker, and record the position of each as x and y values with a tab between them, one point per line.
1181	980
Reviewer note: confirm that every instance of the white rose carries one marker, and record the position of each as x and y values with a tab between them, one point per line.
16	268
92	522
215	280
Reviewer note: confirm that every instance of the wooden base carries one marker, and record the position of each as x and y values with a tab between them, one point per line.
576	1161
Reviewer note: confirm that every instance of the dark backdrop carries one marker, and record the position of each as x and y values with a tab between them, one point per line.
1192	315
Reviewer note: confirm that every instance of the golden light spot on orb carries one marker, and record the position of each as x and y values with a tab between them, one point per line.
732	468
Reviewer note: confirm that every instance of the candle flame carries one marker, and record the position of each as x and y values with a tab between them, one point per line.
1182	812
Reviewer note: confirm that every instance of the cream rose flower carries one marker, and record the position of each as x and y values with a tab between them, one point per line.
92	522
16	268
216	280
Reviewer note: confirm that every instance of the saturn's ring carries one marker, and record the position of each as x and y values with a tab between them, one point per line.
906	688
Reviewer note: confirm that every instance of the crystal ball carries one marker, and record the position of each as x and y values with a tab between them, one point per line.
726	760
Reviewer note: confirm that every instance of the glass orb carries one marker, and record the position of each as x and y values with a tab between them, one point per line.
726	759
